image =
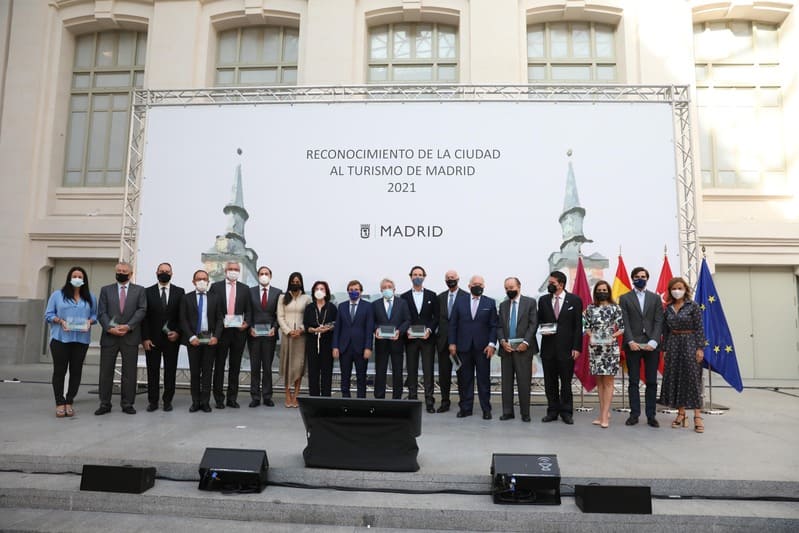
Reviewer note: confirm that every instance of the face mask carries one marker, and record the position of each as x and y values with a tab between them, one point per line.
232	275
163	277
354	295
677	294
639	283
201	285
602	296
295	287
417	282
477	290
76	282
551	288
122	278
264	279
452	283
512	294
388	294
320	294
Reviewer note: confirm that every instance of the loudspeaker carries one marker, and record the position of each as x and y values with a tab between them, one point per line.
233	470
129	479
613	499
525	479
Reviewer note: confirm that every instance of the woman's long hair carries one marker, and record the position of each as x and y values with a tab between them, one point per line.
68	291
287	297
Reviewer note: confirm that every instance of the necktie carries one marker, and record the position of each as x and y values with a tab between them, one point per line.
352	310
512	325
263	299
122	298
200	312
390	307
231	300
475	301
557	307
163	296
449	305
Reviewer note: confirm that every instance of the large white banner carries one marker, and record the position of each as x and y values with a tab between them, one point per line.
367	190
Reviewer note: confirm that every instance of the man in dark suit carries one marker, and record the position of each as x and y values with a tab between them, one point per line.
389	311
263	302
160	335
352	338
446	300
560	349
235	296
518	321
201	326
473	337
120	311
423	307
642	312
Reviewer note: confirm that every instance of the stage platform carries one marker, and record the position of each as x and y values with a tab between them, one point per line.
726	479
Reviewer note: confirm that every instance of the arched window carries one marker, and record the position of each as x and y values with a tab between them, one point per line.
571	52
257	55
413	52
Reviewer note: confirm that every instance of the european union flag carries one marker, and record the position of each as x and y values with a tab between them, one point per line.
719	349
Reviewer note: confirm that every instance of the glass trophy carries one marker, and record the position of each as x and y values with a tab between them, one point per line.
386	332
602	337
114	322
456	362
548	328
204	337
77	324
165	328
515	343
263	330
234	321
330	325
417	332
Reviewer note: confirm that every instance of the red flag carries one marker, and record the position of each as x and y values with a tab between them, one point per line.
581	365
621	285
663	286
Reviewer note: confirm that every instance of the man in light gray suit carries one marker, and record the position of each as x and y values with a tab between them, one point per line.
518	322
120	311
642	312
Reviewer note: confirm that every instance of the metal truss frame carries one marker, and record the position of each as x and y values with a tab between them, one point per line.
678	96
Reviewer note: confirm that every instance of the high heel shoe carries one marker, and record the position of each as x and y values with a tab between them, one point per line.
680	421
698	426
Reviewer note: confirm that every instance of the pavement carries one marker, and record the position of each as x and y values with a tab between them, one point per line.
741	474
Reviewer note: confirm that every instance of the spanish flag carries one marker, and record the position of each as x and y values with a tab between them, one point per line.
621	285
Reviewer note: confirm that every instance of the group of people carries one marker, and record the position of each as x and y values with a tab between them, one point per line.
459	328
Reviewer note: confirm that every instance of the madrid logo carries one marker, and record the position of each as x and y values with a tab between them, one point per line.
365	230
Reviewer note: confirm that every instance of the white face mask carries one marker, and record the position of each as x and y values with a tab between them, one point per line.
201	285
677	294
76	282
264	279
232	275
320	294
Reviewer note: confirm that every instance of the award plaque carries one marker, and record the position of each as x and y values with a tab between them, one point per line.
204	337
386	332
77	324
263	330
417	332
549	328
234	321
515	343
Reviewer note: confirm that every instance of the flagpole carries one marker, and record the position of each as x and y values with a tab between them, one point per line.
583	408
623	408
709	410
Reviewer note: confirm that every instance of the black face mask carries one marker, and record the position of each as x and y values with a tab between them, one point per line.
512	294
122	278
603	296
163	277
477	290
295	287
551	288
452	283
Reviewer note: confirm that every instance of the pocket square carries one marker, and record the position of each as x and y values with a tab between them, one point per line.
570	308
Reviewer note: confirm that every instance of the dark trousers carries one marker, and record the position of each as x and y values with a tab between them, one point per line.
108	360
230	348
201	364
444	375
651	360
518	365
170	356
347	360
558	374
262	353
472	361
320	365
426	349
385	350
67	356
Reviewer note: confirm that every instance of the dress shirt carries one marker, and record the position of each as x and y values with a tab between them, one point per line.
167	286
418	299
65	309
204	317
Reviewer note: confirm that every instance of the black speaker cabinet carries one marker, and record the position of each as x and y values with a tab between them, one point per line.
233	470
525	479
613	499
129	479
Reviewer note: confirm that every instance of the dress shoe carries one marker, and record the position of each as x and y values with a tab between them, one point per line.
442	409
525	418
653	422
194	408
167	406
431	409
205	408
506	417
549	418
255	403
129	410
232	403
152	407
567	419
219	405
269	403
633	420
102	410
463	414
487	415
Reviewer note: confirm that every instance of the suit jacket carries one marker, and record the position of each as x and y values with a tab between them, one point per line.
242	304
478	332
428	316
641	327
189	315
570	325
400	317
268	315
158	315
132	315
354	333
443	319
526	322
